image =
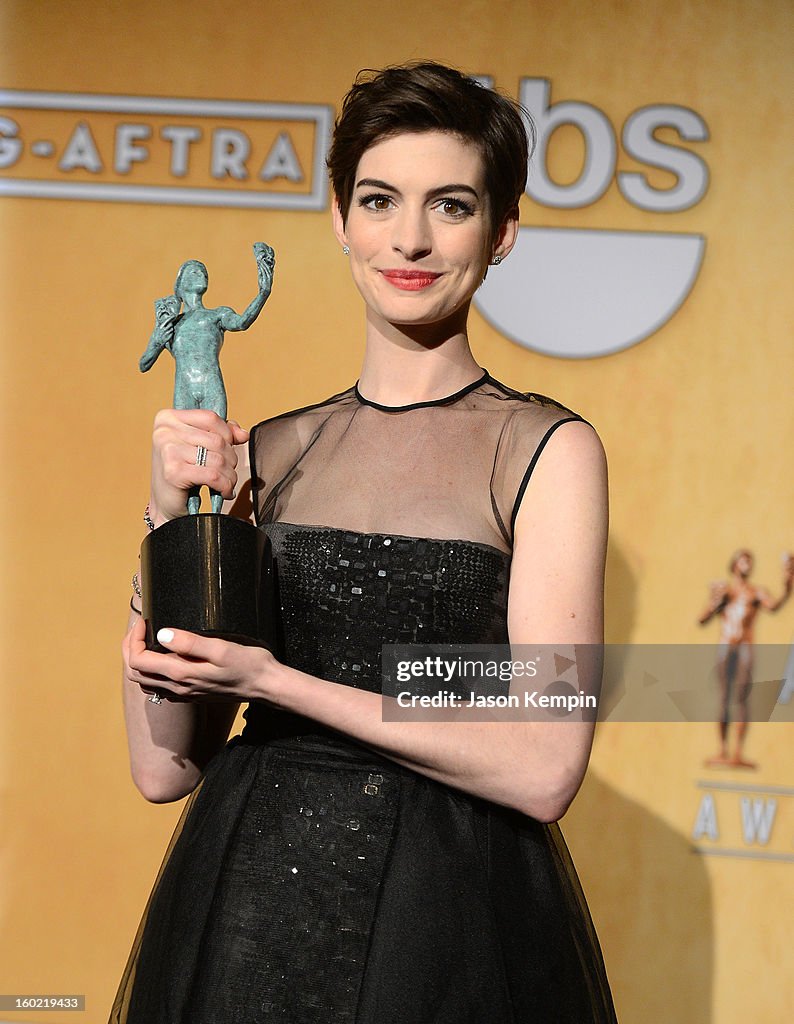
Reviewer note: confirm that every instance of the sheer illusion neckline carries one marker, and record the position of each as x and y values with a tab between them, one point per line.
423	405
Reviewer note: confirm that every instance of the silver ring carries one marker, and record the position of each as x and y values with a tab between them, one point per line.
201	456
155	699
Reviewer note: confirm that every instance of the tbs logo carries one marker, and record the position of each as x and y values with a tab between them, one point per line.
578	293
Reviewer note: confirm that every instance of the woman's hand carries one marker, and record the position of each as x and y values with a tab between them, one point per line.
177	436
199	668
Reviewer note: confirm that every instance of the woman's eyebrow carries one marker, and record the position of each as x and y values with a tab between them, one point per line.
443	189
438	191
375	183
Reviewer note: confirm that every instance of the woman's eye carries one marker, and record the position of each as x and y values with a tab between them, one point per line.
378	202
455	208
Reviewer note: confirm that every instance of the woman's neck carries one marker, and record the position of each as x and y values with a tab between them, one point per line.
404	364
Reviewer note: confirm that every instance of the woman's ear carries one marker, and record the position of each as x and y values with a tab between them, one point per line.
507	235
338	222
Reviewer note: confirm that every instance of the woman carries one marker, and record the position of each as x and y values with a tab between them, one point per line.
330	865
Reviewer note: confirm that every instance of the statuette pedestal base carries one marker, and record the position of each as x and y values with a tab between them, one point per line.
209	574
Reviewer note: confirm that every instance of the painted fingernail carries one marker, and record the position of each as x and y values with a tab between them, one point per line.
165	636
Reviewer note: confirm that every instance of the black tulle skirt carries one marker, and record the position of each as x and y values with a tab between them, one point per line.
309	880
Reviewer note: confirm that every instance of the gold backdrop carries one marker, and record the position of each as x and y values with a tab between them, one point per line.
696	420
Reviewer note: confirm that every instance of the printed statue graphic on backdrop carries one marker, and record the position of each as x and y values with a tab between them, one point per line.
194	338
737	603
207	573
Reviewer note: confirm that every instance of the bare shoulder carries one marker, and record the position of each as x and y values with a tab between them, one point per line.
575	443
571	467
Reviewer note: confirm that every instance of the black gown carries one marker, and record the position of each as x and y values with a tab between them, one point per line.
310	879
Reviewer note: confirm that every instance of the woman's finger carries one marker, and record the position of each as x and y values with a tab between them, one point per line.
153	667
135	640
138	631
190	658
197	648
194	437
175	454
168	431
135	637
201	419
241	435
181	469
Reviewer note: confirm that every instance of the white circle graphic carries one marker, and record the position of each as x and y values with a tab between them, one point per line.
578	293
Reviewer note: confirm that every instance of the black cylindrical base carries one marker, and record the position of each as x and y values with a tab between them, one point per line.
210	574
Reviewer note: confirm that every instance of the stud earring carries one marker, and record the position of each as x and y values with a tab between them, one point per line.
346	250
496	260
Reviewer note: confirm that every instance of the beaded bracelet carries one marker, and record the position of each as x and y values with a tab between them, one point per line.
136	580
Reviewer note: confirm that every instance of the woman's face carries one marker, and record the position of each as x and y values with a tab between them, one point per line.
419	228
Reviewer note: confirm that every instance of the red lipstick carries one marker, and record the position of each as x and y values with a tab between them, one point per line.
410	280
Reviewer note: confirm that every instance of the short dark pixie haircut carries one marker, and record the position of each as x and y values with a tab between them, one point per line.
425	96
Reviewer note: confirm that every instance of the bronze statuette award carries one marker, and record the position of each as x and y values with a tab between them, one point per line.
206	572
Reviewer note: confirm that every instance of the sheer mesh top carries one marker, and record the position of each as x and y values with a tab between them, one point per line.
451	469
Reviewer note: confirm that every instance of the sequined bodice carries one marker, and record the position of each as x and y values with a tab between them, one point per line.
344	594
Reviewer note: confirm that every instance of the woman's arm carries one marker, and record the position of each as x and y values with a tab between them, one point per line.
556	597
171	743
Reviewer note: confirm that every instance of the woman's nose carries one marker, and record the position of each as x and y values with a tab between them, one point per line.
411	234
